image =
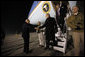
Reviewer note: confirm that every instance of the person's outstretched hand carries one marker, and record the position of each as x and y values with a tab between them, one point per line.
36	28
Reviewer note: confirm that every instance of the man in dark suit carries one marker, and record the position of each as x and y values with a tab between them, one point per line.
25	35
50	25
63	11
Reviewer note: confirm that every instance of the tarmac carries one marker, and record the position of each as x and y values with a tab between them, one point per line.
13	46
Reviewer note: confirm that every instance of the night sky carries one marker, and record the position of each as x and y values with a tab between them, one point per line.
13	14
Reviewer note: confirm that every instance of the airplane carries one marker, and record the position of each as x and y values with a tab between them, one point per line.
40	8
38	12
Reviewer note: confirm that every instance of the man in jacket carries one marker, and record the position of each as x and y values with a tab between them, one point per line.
76	22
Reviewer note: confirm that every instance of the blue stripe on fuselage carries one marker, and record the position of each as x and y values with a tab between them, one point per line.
33	6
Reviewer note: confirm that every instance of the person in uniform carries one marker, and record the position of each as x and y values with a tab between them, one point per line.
76	23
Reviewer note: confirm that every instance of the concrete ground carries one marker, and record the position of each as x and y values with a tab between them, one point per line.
13	46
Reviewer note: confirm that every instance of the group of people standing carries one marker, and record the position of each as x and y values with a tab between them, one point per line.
50	26
75	22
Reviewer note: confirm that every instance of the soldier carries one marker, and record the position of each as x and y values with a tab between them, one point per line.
76	22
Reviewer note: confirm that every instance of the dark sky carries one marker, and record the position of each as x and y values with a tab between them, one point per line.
13	14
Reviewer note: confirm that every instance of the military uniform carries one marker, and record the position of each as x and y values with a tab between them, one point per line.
76	22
